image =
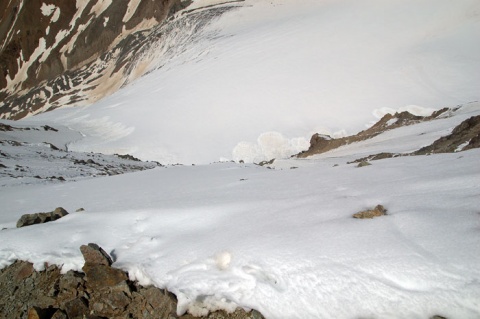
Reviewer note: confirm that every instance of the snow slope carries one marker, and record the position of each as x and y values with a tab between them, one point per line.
255	84
262	78
34	154
282	241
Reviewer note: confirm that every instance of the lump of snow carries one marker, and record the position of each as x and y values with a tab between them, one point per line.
223	259
49	9
269	145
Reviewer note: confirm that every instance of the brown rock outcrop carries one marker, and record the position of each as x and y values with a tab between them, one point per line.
40	218
73	35
466	133
100	292
379	210
464	136
320	143
54	54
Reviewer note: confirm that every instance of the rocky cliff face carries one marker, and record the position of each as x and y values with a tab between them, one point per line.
48	48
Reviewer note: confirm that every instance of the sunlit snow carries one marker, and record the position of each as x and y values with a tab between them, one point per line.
294	68
256	85
283	240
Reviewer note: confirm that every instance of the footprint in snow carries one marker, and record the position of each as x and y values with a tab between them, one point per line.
264	277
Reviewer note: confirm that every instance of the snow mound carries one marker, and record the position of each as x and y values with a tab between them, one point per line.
269	145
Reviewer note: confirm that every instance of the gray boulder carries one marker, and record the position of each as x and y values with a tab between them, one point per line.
40	218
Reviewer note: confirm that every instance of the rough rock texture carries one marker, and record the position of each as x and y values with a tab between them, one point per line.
40	218
265	163
100	292
54	54
374	157
464	136
69	30
320	143
379	210
363	164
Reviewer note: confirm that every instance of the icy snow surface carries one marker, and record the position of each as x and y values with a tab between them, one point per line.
282	240
272	73
256	84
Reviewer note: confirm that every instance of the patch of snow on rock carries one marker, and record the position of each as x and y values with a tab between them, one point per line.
131	9
47	9
205	3
392	121
21	75
100	7
56	14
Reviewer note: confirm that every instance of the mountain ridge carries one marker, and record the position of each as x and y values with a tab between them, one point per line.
48	49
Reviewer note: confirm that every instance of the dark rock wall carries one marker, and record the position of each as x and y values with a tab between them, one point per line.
87	56
23	24
73	38
320	143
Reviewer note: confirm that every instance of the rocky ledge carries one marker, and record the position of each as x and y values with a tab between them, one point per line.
463	137
101	291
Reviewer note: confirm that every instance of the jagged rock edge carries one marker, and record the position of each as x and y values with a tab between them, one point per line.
101	291
321	143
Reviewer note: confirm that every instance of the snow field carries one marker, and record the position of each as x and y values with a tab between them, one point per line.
279	241
257	83
287	70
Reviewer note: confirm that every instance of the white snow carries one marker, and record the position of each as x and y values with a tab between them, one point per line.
461	146
50	10
269	145
41	51
206	3
391	121
68	47
105	21
281	241
56	15
405	139
100	7
131	9
7	38
81	4
295	68
23	65
254	85
413	109
47	9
